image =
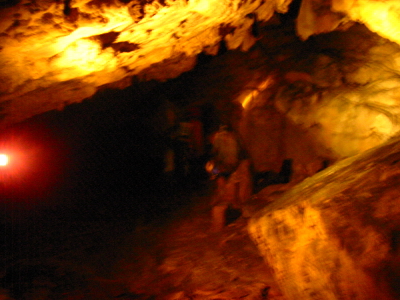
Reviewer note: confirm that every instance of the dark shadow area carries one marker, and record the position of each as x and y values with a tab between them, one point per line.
232	214
264	179
86	177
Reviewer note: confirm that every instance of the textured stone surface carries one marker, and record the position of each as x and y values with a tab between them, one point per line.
318	16
326	100
347	88
71	48
48	47
335	235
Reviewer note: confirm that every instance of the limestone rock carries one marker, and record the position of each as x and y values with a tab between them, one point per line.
336	234
44	44
326	72
317	17
261	129
345	98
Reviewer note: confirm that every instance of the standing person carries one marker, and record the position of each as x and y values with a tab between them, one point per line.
225	150
233	177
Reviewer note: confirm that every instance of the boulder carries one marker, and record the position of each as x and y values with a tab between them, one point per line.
336	235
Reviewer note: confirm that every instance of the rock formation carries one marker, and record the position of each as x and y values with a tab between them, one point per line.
56	53
336	234
61	52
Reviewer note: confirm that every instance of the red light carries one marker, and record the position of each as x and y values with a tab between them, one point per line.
3	159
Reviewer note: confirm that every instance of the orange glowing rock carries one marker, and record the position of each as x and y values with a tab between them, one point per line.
93	43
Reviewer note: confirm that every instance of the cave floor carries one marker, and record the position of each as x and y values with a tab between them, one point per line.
179	257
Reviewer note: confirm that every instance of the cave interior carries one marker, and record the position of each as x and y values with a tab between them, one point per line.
106	194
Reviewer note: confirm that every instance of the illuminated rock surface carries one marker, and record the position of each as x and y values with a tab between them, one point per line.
335	235
71	48
322	16
340	89
331	97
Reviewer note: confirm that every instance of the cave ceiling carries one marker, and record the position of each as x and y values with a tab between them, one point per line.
54	53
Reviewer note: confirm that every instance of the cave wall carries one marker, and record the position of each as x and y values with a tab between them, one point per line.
317	17
348	85
322	100
71	48
335	235
315	102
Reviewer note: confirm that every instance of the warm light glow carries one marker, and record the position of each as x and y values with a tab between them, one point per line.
81	52
379	16
254	93
3	159
249	97
83	57
201	6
